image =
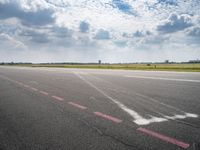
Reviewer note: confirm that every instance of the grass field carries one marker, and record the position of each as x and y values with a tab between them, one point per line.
195	67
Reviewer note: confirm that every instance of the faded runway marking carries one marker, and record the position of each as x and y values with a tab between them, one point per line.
168	79
137	118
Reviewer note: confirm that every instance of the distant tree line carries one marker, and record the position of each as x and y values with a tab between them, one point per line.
99	62
194	61
15	63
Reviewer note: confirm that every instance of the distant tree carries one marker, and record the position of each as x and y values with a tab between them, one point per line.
166	61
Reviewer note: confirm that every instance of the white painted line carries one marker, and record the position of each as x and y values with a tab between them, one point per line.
167	79
186	115
137	118
144	97
131	112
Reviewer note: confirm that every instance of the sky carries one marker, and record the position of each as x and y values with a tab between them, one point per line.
113	31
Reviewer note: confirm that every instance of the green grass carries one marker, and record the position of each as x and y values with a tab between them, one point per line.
160	67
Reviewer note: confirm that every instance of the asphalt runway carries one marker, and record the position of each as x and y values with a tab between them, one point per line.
83	109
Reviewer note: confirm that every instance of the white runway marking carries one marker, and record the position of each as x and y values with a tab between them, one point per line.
138	119
159	78
186	115
140	95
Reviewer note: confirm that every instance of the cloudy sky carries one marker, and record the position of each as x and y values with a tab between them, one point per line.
89	30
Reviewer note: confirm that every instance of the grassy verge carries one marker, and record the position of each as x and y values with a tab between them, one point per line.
159	67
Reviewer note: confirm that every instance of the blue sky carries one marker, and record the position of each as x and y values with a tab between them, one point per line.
110	30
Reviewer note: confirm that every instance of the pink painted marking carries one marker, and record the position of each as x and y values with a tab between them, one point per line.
34	89
57	98
44	93
116	120
26	86
164	138
20	83
77	105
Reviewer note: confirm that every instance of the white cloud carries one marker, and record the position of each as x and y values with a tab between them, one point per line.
175	23
194	31
84	26
31	17
12	41
123	30
102	35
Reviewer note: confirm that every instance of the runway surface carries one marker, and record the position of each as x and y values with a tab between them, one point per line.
82	109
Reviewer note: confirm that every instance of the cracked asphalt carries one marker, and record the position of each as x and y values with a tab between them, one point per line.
70	109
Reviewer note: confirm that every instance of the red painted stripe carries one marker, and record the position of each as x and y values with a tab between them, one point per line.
58	98
44	93
164	138
77	105
116	120
34	89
